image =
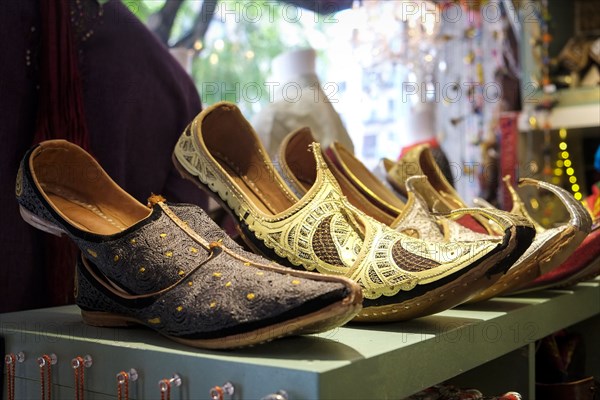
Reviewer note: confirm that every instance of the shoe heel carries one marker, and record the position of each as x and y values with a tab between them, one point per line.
183	171
189	173
106	319
39	223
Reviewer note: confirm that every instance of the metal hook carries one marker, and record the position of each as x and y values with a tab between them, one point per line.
123	376
42	360
164	384
19	357
278	395
217	392
77	361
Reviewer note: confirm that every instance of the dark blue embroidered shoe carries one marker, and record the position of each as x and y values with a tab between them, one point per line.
169	266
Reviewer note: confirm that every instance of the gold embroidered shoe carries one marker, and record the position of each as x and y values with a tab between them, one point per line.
369	194
414	218
419	161
402	277
168	266
550	247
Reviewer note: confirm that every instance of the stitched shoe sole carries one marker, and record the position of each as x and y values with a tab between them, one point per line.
580	266
590	272
322	319
546	258
327	318
39	223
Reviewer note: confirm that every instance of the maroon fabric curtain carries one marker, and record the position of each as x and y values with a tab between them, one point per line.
133	99
60	108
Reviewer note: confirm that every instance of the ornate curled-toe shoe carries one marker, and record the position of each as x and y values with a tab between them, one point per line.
168	266
402	277
423	215
550	247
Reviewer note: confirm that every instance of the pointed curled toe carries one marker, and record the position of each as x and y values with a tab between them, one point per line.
550	247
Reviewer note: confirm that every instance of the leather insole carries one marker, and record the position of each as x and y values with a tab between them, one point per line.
366	177
88	217
262	192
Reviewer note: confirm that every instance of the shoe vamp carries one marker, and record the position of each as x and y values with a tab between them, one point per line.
416	221
419	223
224	293
151	258
398	262
336	242
201	223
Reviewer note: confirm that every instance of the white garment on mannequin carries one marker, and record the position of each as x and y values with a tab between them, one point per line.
422	123
288	66
299	101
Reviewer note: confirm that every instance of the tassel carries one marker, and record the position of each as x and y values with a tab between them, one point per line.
155	199
60	111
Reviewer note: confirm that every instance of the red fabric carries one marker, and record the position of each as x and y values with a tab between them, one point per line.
593	202
471	223
60	112
431	142
60	115
509	164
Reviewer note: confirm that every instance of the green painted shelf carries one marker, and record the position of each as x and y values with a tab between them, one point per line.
387	361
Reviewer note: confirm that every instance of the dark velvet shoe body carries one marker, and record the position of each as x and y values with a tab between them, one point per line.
169	266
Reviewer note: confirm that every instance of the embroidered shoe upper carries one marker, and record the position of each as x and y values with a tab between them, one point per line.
173	269
322	231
